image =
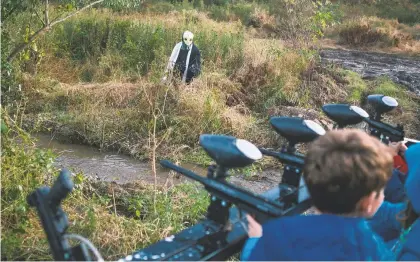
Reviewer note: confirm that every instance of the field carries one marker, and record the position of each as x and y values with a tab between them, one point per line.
95	79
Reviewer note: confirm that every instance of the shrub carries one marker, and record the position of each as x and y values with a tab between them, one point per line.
405	11
301	20
360	34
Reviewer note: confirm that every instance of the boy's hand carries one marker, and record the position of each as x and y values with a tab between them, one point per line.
254	228
398	147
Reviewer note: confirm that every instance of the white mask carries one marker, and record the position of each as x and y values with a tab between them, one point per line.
187	38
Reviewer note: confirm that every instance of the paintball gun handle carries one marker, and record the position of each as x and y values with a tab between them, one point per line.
47	202
55	223
384	131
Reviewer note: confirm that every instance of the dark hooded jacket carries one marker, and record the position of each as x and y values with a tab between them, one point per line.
194	66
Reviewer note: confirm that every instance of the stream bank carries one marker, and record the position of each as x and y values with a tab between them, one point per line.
113	167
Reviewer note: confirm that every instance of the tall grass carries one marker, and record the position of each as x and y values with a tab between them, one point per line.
118	220
103	45
405	11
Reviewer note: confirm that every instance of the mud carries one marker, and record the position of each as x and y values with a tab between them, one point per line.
402	70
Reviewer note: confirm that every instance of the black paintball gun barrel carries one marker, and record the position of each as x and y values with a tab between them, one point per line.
262	207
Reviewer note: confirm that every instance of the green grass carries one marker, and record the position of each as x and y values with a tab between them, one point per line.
197	156
357	86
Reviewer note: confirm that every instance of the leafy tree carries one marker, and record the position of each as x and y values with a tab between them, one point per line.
11	7
24	47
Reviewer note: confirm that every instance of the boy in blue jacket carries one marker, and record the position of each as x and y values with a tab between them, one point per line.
345	172
408	246
385	222
397	223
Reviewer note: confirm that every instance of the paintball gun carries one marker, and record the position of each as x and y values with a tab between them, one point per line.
345	114
48	204
385	132
223	231
295	130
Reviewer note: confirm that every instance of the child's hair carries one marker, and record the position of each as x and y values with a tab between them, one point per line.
343	166
407	216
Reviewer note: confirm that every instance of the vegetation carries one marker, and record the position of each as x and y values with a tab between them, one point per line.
385	25
94	78
117	219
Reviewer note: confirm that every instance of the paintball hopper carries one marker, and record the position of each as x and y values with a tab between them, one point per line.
228	151
296	129
344	114
381	104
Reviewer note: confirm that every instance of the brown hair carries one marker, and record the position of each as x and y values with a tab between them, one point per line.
343	166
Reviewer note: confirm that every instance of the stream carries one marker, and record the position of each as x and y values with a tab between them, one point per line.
107	166
113	167
404	70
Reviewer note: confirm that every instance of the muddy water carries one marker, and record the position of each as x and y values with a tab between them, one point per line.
110	166
401	69
107	166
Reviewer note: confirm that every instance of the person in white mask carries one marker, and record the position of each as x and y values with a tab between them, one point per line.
185	59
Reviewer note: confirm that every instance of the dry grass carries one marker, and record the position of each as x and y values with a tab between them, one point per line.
60	69
191	17
111	94
232	100
271	72
377	34
263	25
117	114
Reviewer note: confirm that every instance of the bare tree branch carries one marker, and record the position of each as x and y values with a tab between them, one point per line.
47	20
46	27
23	45
75	13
